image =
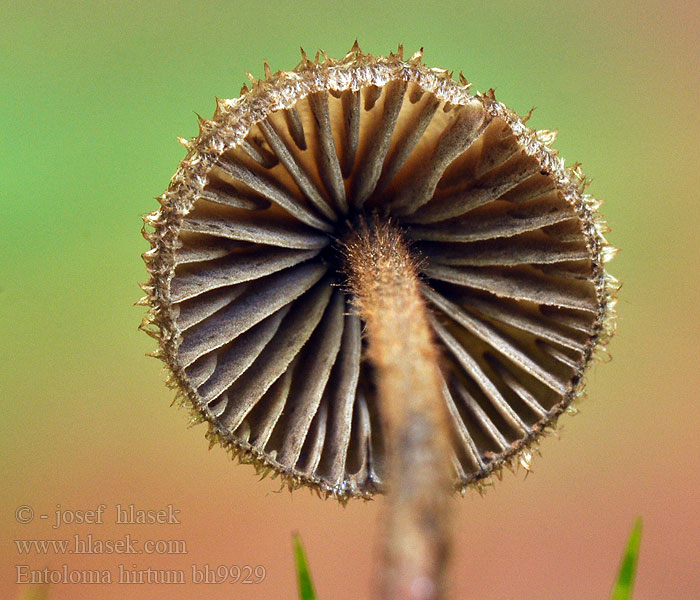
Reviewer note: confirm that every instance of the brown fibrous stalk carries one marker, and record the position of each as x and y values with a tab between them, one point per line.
383	276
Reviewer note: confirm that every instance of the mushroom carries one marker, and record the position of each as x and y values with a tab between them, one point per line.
251	294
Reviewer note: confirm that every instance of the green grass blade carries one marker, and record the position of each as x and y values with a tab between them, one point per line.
35	592
306	586
628	565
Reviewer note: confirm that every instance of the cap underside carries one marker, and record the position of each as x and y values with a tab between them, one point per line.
247	284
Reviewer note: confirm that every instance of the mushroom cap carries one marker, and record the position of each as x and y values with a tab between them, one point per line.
246	288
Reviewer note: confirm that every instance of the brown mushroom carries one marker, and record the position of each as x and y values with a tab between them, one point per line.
248	288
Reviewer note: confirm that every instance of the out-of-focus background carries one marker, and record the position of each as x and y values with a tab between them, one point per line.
92	97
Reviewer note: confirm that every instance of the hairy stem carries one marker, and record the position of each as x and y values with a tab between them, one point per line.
384	279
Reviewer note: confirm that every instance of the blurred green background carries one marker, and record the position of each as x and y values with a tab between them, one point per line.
92	97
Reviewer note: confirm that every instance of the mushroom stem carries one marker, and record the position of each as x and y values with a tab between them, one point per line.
383	276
